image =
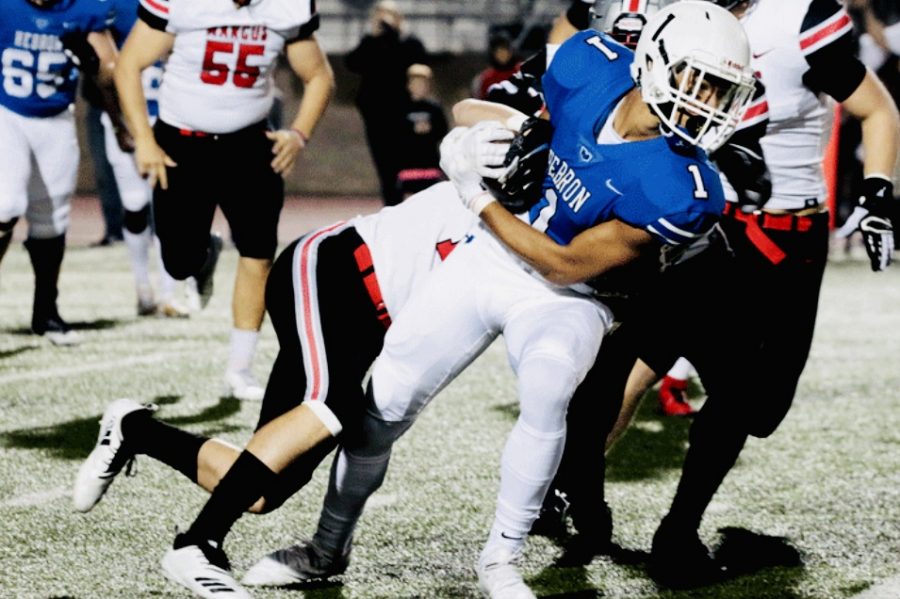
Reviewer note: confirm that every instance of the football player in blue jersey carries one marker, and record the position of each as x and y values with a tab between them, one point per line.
136	192
626	177
41	42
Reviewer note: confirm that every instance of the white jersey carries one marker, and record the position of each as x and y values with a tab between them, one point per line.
409	240
783	36
218	77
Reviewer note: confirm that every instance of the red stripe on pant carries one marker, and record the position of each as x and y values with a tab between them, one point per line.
308	329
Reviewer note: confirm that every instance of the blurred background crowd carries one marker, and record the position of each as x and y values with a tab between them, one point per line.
401	64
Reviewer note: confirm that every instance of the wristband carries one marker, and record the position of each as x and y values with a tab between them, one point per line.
303	136
480	202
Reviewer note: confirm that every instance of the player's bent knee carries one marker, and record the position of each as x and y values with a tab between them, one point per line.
374	438
763	425
182	264
546	384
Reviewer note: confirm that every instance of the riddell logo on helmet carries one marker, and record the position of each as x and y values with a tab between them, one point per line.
730	63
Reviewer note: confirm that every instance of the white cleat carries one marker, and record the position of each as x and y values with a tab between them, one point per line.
106	460
172	309
297	563
207	573
241	384
63	338
192	296
499	578
56	331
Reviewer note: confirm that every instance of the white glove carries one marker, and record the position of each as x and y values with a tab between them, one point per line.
485	145
468	154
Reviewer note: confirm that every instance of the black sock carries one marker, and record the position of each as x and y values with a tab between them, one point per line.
46	259
172	446
714	448
246	481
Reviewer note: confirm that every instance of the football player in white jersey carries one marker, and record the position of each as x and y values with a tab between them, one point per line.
210	145
331	296
39	43
749	334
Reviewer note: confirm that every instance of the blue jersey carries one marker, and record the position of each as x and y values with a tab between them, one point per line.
38	79
661	185
126	15
151	77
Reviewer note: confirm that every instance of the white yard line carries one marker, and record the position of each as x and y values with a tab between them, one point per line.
67	371
38	498
886	589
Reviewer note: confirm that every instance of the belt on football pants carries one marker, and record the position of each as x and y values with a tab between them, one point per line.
758	220
370	280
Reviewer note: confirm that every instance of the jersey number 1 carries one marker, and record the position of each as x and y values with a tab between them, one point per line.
216	73
699	189
596	42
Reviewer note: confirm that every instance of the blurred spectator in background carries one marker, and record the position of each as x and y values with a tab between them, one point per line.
503	62
381	60
877	24
107	190
424	126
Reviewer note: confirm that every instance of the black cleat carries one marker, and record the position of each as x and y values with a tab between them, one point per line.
552	521
680	560
54	328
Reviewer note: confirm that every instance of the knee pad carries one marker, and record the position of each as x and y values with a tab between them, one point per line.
374	438
137	221
48	217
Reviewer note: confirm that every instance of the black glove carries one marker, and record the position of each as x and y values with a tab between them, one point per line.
872	218
522	91
80	51
747	173
521	185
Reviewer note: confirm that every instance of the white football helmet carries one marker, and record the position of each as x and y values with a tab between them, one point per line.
624	20
692	65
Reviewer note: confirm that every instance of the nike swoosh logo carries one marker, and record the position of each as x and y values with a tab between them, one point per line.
506	536
611	187
761	54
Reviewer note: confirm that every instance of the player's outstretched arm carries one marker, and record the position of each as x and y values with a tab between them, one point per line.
872	104
310	64
143	47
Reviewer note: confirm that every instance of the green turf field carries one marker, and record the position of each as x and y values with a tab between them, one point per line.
827	483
